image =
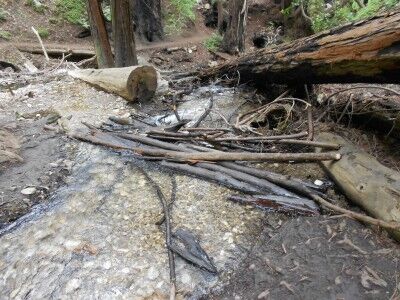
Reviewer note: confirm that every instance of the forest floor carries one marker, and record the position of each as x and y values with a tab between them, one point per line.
87	228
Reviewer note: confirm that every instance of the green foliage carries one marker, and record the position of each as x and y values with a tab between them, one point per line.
179	12
213	42
3	15
340	12
43	32
74	11
5	35
36	5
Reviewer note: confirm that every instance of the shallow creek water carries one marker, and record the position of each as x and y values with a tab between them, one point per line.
98	239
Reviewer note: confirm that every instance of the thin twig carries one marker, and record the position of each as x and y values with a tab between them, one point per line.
206	112
41	43
310	136
171	260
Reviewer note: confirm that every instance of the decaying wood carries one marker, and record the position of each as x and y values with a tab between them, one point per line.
279	203
99	34
234	37
118	142
222	156
57	52
10	56
381	113
365	181
365	51
132	83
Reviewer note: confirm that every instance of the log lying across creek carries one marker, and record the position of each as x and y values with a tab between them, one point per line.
365	181
132	83
365	51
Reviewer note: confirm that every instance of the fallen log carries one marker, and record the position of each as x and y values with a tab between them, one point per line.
365	181
365	51
11	57
132	83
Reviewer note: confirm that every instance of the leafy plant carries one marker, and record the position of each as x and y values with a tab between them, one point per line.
179	13
5	35
339	12
43	32
74	11
36	5
3	15
213	42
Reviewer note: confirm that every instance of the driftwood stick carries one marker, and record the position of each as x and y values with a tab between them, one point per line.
171	260
356	216
217	156
310	122
190	129
206	112
41	43
219	177
279	179
279	203
263	184
310	143
262	138
293	184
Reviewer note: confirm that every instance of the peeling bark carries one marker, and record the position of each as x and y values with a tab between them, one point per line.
365	51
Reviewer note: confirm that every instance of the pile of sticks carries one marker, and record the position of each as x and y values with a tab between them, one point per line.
262	188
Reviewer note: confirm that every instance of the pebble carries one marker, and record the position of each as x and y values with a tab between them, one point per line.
152	273
107	265
318	182
28	191
72	285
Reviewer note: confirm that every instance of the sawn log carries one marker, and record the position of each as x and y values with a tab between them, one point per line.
365	181
365	51
132	83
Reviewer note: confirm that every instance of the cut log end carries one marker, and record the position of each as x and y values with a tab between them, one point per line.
137	83
142	83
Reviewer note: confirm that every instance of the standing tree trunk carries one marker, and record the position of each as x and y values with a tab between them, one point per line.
234	38
147	19
221	16
99	34
124	38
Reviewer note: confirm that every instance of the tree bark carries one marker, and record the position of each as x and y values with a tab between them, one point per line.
131	83
147	18
99	34
221	16
365	181
365	51
234	38
124	38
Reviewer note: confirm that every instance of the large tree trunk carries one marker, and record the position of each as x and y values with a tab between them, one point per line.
365	181
221	16
147	18
366	51
124	38
99	34
234	38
